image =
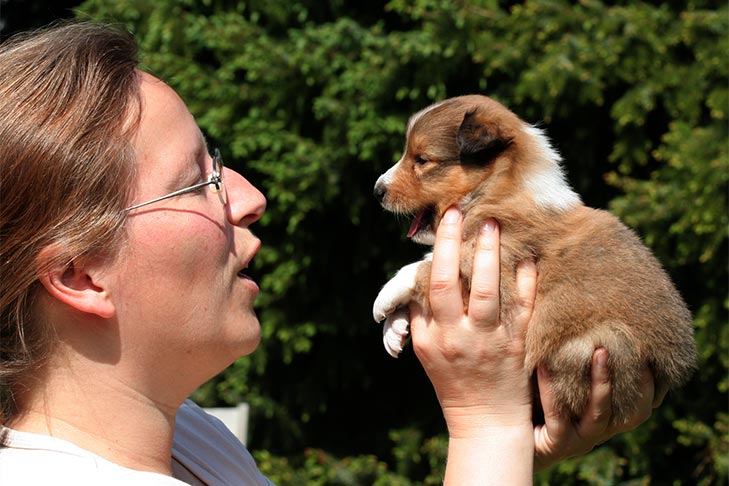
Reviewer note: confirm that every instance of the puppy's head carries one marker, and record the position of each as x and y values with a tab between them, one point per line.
458	146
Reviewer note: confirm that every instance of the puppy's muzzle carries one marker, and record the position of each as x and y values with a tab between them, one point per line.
380	191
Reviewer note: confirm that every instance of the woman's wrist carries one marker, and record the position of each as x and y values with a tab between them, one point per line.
491	455
484	421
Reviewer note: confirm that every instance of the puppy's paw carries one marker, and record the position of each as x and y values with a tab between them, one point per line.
396	293
395	331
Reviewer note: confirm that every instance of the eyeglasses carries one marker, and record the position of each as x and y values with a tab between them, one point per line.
215	181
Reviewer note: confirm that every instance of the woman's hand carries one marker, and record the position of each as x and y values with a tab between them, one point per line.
475	361
476	364
560	438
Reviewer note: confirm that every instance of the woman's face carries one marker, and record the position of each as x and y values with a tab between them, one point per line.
182	300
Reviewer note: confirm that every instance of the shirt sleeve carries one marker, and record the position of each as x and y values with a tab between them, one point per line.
205	452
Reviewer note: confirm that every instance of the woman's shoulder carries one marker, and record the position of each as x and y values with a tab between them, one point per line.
36	459
204	447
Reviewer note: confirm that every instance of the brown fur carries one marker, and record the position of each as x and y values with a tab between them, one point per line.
598	285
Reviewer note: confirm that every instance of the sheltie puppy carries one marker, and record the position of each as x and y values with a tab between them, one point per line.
597	284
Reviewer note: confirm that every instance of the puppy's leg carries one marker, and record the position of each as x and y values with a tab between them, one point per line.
569	369
405	286
399	291
571	378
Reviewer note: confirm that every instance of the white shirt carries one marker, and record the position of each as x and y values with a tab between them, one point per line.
204	452
40	460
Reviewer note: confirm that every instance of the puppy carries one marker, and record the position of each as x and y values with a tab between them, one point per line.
598	285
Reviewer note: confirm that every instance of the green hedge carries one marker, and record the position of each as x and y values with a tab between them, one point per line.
309	100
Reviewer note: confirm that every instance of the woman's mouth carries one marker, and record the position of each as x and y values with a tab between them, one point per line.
245	279
244	273
245	270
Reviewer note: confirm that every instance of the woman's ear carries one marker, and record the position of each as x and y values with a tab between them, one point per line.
74	284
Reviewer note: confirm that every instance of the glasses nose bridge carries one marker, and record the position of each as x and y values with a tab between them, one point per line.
217	163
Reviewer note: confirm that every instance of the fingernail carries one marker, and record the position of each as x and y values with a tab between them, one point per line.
543	372
452	215
602	357
527	264
489	226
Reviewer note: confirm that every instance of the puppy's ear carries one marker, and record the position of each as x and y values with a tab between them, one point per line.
479	144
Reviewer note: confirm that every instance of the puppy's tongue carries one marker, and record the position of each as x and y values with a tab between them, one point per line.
416	223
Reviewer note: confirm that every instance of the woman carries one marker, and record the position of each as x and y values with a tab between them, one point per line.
124	245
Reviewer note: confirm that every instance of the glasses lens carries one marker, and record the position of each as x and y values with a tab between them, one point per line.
218	177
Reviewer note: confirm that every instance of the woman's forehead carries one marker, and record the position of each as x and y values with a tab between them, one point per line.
167	130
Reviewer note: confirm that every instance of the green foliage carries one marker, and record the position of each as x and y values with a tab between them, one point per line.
309	101
319	469
316	467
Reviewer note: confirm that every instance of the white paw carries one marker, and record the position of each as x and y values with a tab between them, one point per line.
395	330
396	293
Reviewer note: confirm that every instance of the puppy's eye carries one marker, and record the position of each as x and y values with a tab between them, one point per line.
420	160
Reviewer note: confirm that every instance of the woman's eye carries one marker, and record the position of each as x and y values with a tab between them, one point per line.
202	177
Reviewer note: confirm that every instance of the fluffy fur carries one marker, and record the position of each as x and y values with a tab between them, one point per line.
598	285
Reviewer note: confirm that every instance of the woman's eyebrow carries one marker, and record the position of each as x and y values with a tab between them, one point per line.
204	142
200	153
192	167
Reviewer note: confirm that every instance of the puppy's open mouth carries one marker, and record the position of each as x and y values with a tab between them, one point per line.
421	230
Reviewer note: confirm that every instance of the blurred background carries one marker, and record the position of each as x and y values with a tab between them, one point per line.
309	100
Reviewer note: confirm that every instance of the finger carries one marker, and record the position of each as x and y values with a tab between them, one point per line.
483	303
557	432
418	324
596	418
557	427
644	407
647	396
526	286
659	394
419	321
445	284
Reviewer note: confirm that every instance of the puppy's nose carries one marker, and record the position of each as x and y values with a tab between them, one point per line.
380	191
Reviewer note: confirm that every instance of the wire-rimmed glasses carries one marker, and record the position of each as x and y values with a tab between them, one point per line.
215	181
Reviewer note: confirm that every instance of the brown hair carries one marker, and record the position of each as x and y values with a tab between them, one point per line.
69	106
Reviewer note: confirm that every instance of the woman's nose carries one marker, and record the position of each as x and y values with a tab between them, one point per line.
246	204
